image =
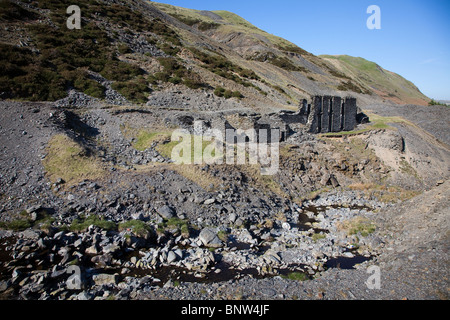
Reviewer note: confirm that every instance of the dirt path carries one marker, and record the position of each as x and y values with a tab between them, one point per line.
433	119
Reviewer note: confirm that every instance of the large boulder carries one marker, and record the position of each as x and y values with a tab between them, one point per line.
105	279
166	212
209	238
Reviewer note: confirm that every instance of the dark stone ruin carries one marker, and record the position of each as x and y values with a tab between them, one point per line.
332	114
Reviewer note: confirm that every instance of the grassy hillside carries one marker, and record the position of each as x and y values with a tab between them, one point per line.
220	21
340	73
373	77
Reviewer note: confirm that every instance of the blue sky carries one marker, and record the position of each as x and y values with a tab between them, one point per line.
414	40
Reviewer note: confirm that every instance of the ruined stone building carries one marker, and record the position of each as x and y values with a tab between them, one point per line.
332	114
325	114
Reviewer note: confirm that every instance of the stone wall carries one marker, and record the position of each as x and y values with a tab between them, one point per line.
332	114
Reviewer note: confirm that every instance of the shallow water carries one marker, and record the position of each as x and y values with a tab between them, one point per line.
227	273
221	272
345	263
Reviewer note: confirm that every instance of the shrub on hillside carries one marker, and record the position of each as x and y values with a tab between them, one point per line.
227	94
136	90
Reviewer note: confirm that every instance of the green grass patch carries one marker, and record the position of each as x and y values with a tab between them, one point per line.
68	160
223	235
205	26
175	223
201	24
169	49
380	122
317	236
80	80
145	138
296	276
24	221
166	149
80	225
358	63
44	221
16	225
138	227
358	226
235	19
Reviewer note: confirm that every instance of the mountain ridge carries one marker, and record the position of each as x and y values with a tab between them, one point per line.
411	95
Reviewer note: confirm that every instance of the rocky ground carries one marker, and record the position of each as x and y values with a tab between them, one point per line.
123	222
432	119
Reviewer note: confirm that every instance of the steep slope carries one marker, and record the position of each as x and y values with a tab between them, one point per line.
340	73
371	76
143	52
